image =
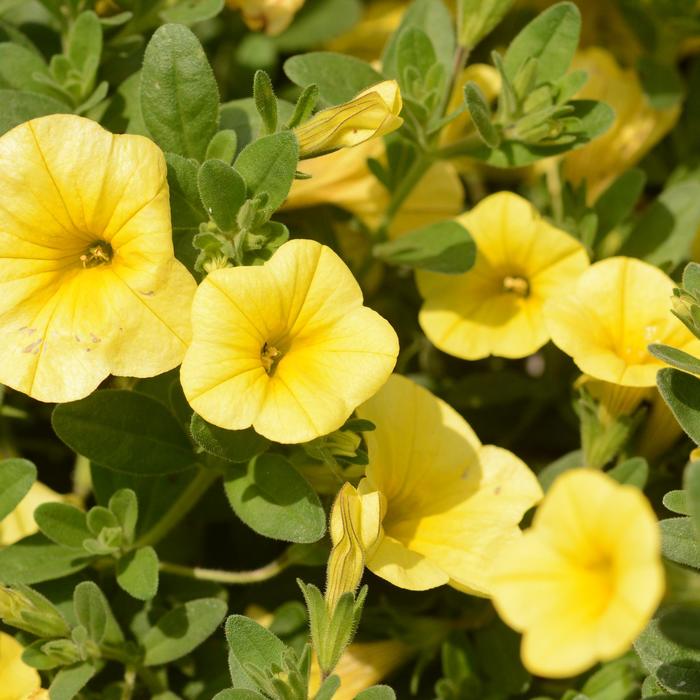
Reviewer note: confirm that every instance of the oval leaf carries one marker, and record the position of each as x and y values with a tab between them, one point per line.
16	478
137	573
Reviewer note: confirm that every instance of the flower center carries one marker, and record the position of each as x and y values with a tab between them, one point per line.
514	284
96	254
270	357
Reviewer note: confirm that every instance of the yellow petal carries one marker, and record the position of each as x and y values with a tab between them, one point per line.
606	323
305	307
17	680
270	16
496	307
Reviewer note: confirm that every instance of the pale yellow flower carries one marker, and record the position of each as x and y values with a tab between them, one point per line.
269	16
496	307
89	284
344	180
17	680
582	583
286	347
615	310
435	504
637	128
373	113
20	522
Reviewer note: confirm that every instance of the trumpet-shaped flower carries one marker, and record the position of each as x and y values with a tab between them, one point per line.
638	126
269	16
583	582
20	522
286	347
435	504
89	283
373	113
17	680
616	309
496	308
344	180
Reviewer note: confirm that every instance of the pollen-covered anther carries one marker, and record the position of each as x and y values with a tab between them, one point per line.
517	285
270	357
97	253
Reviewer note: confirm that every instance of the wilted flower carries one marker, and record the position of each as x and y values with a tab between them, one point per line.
286	347
20	522
436	504
90	285
269	16
17	680
373	113
496	307
607	321
583	582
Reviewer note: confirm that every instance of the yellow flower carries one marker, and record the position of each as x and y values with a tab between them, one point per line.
362	665
637	128
344	180
496	308
20	522
286	347
616	309
583	582
436	503
89	285
269	16
373	113
17	680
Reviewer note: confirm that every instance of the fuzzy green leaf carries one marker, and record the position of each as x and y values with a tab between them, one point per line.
231	445
63	524
16	478
137	573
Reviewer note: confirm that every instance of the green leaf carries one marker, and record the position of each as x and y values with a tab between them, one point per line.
633	471
192	11
675	501
272	498
69	681
124	506
242	117
19	107
63	524
654	649
665	232
617	202
552	37
239	694
222	191
415	56
182	629
328	689
85	47
681	392
377	692
339	78
35	559
481	114
125	431
433	17
137	573
679	542
691	486
683	675
304	107
444	247
223	146
268	165
94	613
18	66
251	644
185	203
682	626
265	101
572	460
675	357
16	478
318	22
179	96
477	18
231	445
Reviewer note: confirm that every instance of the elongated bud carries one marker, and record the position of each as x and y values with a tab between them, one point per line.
373	113
27	610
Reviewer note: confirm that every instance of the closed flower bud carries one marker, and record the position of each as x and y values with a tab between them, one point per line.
27	610
374	112
269	16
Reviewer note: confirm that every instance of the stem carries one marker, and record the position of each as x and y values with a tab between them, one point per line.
264	573
187	500
555	189
129	683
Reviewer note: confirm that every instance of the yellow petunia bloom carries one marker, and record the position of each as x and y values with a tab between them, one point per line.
435	503
269	16
582	583
89	284
616	309
344	180
496	308
20	522
637	128
373	113
286	347
17	680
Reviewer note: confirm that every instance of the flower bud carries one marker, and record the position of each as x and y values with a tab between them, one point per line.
27	610
373	113
269	16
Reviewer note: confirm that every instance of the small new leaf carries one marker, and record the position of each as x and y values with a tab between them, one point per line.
481	114
265	101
